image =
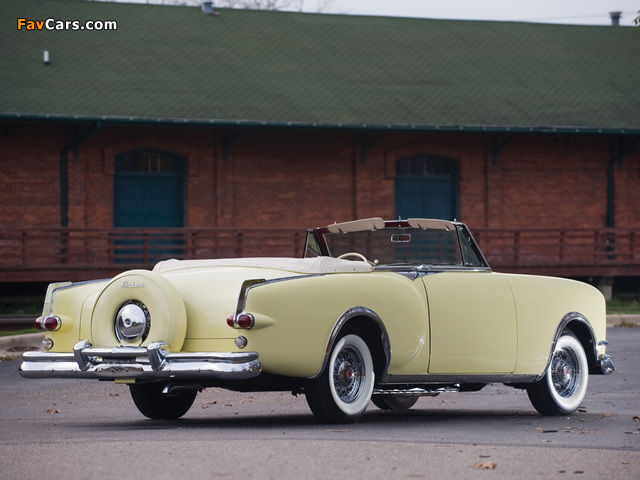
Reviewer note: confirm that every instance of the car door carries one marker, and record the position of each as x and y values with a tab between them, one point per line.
473	323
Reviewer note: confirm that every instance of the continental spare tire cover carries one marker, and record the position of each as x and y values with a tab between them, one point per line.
151	293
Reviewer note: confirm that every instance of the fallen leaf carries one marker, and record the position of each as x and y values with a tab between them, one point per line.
487	465
51	410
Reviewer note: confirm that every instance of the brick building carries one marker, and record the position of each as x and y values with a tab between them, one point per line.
199	135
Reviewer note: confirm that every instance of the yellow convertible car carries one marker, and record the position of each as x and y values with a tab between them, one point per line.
381	311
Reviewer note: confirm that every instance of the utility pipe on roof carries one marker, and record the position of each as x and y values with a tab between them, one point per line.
75	145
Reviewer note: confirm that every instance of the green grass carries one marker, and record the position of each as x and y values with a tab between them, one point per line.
624	306
7	333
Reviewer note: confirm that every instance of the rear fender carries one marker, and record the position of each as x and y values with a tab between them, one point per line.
361	318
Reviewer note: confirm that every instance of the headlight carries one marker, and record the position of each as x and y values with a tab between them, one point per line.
132	322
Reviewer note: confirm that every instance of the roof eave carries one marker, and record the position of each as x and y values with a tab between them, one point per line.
229	123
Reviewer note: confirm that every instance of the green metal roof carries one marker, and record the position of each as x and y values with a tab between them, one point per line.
173	64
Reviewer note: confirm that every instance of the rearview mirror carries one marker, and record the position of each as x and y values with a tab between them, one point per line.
401	238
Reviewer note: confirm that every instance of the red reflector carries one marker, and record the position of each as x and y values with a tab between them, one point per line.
50	324
241	320
244	320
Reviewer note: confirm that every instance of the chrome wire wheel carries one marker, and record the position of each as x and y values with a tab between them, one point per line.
351	379
341	393
349	375
565	372
564	385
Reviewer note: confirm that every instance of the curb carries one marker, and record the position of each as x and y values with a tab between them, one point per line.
623	320
30	341
25	340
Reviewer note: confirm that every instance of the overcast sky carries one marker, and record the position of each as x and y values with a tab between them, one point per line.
585	12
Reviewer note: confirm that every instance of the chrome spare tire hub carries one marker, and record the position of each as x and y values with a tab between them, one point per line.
132	322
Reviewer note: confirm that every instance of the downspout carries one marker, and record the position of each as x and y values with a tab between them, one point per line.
634	146
75	145
610	192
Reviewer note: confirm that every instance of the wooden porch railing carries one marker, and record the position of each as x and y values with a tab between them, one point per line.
574	253
78	254
41	254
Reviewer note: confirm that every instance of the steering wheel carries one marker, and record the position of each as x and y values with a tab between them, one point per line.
354	254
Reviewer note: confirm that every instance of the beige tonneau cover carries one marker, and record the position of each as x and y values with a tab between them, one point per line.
297	265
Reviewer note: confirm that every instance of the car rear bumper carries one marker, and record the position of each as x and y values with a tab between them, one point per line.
152	362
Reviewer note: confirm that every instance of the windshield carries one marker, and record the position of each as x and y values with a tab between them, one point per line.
399	246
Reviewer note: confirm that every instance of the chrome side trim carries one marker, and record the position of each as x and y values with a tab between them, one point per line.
423	381
153	362
244	290
413	392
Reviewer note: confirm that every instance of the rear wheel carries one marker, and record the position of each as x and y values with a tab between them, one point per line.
154	404
342	392
564	385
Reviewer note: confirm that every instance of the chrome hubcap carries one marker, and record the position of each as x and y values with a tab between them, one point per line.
564	372
348	375
132	322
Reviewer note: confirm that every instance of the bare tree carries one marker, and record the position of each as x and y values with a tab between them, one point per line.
255	4
318	6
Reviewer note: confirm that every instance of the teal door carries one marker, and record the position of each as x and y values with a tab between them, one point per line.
148	193
426	187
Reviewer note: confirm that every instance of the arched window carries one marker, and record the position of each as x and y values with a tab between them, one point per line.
426	187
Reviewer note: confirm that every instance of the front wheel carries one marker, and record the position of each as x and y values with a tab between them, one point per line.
564	385
154	404
394	403
342	392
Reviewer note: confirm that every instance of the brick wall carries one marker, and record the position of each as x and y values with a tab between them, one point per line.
258	178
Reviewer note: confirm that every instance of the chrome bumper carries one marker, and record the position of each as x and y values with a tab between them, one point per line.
152	362
605	362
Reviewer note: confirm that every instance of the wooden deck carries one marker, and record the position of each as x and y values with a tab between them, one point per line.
44	255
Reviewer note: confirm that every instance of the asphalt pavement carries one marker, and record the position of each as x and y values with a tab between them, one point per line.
65	426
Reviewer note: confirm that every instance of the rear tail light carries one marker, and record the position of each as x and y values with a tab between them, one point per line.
49	324
241	320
